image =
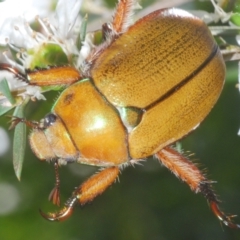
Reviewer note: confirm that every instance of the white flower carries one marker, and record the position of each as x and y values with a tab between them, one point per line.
60	29
220	14
28	8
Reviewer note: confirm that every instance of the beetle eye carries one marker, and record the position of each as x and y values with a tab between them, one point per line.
49	120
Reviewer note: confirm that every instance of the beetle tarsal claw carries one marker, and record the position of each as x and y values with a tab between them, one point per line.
62	215
54	196
227	220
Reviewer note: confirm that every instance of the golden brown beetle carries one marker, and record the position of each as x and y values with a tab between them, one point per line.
139	92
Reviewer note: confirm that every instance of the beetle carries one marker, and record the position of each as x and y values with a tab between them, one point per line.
141	90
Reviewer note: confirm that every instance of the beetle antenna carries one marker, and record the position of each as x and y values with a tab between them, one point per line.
16	120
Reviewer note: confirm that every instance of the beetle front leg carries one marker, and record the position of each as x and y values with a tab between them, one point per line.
49	76
85	193
189	173
54	195
13	70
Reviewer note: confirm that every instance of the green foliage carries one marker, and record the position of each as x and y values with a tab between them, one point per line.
4	89
19	140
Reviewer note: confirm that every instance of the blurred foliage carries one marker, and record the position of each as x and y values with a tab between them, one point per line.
148	202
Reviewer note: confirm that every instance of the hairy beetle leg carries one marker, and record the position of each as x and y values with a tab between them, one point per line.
222	217
85	193
189	173
206	189
49	76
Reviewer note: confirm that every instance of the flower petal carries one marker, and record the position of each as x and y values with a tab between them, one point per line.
66	15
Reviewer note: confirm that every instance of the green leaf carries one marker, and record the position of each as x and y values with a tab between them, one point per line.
5	90
3	109
230	5
48	55
19	140
83	30
235	18
97	37
52	88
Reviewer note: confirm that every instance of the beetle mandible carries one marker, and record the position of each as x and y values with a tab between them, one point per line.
141	90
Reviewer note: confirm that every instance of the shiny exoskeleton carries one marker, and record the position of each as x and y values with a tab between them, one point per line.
143	90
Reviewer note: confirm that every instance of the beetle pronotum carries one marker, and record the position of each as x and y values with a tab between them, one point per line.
165	73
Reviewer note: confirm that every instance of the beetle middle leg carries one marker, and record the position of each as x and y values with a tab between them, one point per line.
189	173
85	193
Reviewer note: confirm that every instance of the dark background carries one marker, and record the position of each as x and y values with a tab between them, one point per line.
148	202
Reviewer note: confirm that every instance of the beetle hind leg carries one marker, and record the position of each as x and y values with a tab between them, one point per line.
206	190
85	193
189	173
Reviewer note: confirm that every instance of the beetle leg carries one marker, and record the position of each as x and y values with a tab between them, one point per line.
121	19
13	70
119	24
54	195
54	75
189	173
49	76
122	16
85	193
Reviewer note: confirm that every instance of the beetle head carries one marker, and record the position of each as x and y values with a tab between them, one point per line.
51	140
